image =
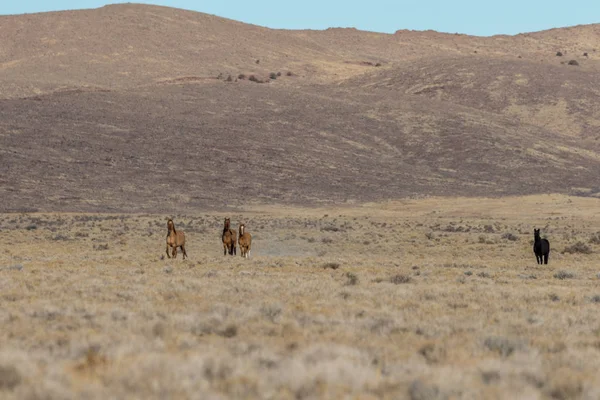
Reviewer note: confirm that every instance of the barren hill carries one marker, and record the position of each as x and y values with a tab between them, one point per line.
128	108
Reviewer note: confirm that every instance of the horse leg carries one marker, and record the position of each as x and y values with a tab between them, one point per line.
168	255
174	251
546	258
184	253
224	249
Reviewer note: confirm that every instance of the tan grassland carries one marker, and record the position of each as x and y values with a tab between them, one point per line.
439	298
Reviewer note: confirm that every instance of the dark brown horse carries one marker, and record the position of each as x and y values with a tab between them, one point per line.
245	241
175	239
229	238
541	247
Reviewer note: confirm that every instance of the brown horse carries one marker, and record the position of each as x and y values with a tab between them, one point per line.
229	238
175	239
245	241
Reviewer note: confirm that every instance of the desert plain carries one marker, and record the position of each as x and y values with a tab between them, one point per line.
432	298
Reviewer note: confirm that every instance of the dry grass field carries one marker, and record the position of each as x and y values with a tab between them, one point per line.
437	298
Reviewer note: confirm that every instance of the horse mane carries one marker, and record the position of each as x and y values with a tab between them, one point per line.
171	223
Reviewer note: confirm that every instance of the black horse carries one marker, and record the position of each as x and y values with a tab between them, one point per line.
541	247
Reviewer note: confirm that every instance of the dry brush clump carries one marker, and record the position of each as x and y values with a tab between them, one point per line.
331	265
10	377
510	236
564	275
400	279
351	279
503	345
578	247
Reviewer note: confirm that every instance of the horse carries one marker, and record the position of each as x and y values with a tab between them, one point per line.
229	238
245	241
175	239
541	247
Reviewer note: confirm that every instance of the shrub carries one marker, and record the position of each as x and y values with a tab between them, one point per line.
352	279
378	65
331	265
271	311
419	390
573	62
229	332
531	276
9	377
241	76
400	278
595	239
278	73
31	227
289	73
510	236
559	54
61	237
273	75
503	346
484	240
229	78
578	247
564	275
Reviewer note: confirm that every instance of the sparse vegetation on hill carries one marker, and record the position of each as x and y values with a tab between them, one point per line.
438	119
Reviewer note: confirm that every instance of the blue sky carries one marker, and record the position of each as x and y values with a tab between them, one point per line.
474	17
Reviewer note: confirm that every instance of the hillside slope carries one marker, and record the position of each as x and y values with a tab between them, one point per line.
126	108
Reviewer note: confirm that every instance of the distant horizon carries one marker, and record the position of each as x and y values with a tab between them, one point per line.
467	17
